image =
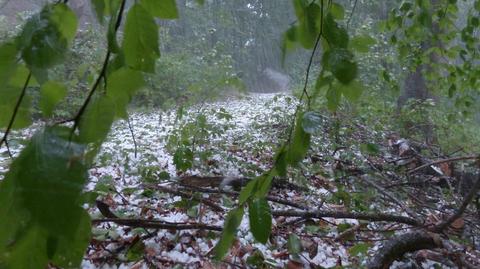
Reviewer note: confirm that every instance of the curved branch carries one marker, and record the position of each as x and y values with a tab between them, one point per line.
400	245
473	157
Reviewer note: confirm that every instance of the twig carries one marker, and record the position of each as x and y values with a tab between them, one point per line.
349	215
8	149
130	127
388	195
15	111
351	14
307	75
466	201
473	157
147	224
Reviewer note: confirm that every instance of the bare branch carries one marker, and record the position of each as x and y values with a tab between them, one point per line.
349	215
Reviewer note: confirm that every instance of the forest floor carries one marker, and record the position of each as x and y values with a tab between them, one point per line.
138	179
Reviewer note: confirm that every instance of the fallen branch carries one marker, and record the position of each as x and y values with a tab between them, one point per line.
349	215
157	224
473	157
398	246
207	202
235	194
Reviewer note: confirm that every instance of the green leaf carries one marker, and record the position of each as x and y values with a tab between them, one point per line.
264	184
281	162
8	55
65	20
247	191
42	221
369	148
333	98
351	91
424	18
312	122
70	249
256	259
260	219
323	81
294	244
362	43
163	9
308	25
183	159
45	37
337	10
336	36
452	90
233	220
51	93
121	86
140	43
97	120
299	145
99	7
136	251
341	63
406	6
28	252
10	95
360	248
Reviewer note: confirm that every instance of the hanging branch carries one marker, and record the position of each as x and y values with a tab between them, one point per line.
15	112
310	61
307	75
351	14
101	76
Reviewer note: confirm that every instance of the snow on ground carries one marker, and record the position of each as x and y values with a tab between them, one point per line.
238	138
